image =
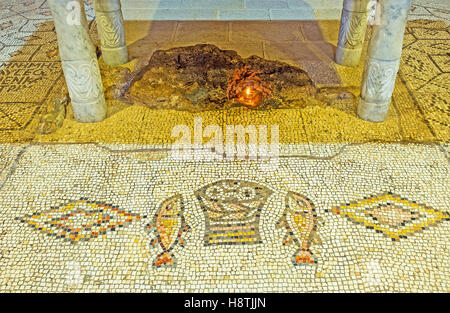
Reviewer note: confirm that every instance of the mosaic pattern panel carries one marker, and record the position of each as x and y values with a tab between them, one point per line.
351	257
391	215
80	220
425	68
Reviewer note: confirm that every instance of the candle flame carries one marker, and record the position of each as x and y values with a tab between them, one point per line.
247	87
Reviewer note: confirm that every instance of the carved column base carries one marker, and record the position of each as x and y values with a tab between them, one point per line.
93	112
376	89
383	59
115	56
373	112
111	31
348	56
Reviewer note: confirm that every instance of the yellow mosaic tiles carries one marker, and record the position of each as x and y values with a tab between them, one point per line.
418	110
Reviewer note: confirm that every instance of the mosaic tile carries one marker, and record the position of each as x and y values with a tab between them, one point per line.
324	158
442	62
8	157
17	115
300	221
430	33
350	258
80	220
438	46
20	6
417	10
440	13
392	215
48	52
5	25
168	227
38	14
232	210
18	53
11	25
38	26
20	79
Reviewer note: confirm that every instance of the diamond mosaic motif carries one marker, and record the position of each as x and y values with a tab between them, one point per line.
80	220
392	215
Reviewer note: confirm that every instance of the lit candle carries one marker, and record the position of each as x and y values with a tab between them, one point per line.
249	95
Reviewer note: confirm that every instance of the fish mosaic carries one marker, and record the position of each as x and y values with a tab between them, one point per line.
168	227
300	222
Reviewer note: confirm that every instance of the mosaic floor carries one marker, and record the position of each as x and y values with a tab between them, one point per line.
96	218
31	66
350	206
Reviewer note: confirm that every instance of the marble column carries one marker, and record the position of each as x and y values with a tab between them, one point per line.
383	60
111	32
79	60
352	32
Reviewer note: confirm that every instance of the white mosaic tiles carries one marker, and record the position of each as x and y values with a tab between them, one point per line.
350	257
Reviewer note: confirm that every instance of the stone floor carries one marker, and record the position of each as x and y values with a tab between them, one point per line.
259	9
367	211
